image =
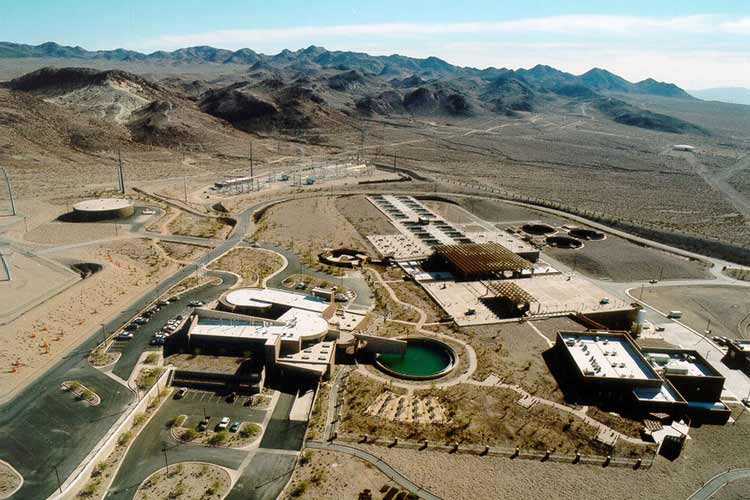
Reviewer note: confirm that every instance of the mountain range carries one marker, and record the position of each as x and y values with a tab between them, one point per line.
320	58
312	87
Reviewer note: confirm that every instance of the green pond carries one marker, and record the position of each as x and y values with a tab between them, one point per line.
420	359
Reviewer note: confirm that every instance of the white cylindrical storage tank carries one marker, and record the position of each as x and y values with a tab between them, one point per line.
103	209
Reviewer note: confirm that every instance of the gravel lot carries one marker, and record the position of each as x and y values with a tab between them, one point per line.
327	475
617	259
724	306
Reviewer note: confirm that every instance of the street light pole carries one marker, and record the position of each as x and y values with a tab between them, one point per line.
166	462
59	483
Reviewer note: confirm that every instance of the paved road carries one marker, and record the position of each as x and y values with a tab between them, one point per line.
132	349
75	430
354	281
719	481
146	455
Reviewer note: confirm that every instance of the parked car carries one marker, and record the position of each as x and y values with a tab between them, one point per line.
195	303
158	341
125	336
140	320
653	282
181	393
203	424
224	423
163	303
235	427
232	397
746	402
660	328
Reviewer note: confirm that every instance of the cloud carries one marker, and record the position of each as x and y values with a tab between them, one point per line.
628	26
738	27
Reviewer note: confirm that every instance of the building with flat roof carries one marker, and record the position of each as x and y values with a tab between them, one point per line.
688	371
286	330
739	352
608	367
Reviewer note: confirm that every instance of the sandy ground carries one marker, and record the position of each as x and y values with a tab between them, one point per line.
723	306
411	293
464	477
513	352
252	264
365	217
307	227
9	480
448	211
34	341
32	279
187	224
327	476
187	481
65	233
181	252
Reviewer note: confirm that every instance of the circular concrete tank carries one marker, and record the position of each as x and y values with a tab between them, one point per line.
586	234
538	229
564	242
103	209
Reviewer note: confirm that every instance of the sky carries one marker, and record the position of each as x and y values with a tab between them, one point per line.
695	44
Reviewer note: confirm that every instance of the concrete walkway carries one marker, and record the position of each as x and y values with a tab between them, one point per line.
718	482
471	354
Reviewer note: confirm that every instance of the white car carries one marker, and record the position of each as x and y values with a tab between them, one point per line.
224	423
195	303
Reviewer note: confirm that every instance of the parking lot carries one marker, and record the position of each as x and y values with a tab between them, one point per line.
197	404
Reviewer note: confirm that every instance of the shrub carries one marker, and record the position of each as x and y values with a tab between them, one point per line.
124	438
176	421
152	358
249	430
219	438
299	489
139	419
189	434
89	490
99	469
305	458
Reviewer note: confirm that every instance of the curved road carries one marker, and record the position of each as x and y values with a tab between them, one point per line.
71	431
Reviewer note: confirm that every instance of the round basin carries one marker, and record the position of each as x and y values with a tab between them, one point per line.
423	359
538	229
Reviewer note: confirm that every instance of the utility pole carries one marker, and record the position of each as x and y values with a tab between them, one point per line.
10	192
120	175
251	161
